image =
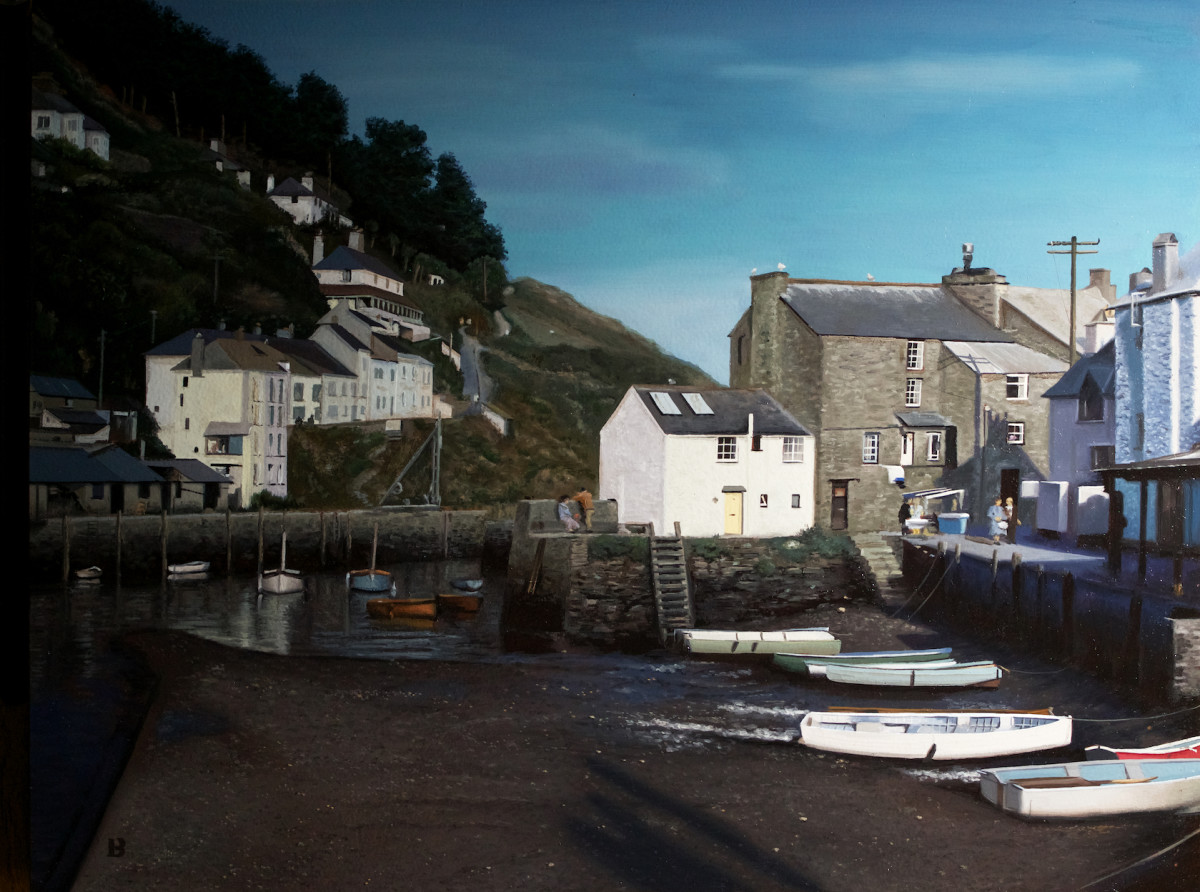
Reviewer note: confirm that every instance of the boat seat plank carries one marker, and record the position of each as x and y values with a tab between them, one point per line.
1040	783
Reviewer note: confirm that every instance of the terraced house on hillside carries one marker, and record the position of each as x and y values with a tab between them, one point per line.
937	385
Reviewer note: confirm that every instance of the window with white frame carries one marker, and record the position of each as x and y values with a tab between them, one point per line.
914	355
933	446
793	449
1016	433
912	392
870	449
726	448
1016	387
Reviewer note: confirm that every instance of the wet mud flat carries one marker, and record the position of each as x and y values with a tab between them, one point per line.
581	772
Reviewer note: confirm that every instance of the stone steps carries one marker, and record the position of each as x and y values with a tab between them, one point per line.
884	567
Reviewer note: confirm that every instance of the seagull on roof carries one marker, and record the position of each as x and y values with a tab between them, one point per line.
753	271
870	278
781	266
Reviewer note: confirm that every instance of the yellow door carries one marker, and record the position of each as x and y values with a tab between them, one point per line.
733	514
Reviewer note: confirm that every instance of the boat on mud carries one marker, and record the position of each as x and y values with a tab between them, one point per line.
982	674
1188	748
718	642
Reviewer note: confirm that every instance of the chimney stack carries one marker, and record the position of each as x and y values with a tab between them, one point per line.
270	183
198	355
1140	279
307	180
1101	279
356	240
318	249
1165	261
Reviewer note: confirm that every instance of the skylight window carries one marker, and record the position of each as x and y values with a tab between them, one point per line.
665	404
697	404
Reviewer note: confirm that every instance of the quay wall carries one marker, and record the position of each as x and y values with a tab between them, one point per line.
596	590
139	547
1107	628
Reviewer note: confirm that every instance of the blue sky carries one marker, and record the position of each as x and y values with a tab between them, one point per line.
646	156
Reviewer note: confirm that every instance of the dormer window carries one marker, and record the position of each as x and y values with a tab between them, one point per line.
1091	402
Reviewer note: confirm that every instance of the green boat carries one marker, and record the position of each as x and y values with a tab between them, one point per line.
807	663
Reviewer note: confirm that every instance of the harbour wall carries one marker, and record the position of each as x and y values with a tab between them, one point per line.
140	547
1133	636
597	591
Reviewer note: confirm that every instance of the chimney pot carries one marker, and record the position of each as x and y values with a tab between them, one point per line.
1165	256
356	240
270	183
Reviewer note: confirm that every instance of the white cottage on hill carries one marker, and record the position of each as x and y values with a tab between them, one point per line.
719	462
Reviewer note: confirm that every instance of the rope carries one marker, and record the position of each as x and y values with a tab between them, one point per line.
949	564
1035	672
1145	718
1137	864
932	564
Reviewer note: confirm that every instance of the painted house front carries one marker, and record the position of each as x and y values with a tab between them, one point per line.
718	462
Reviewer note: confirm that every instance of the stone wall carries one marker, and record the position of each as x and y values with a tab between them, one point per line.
1107	629
230	541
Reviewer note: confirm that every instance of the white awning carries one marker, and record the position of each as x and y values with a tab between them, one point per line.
933	494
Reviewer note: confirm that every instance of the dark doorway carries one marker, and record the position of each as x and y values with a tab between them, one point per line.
839	505
1170	515
1010	488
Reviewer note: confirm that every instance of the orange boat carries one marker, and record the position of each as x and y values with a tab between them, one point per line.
394	608
461	603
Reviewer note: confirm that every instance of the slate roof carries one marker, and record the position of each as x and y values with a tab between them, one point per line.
731	410
190	469
73	464
345	335
181	344
80	420
343	257
230	353
1004	359
312	355
402	347
861	309
1050	309
1098	366
92	125
52	101
66	388
290	187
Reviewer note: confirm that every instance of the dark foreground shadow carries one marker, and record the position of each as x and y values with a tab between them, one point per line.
649	839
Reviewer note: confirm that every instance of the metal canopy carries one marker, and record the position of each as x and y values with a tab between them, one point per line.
933	493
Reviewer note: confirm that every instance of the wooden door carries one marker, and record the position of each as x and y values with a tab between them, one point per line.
733	514
839	515
1170	515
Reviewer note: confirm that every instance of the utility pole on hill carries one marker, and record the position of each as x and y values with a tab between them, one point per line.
1074	243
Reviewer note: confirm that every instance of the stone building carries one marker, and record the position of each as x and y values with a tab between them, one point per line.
902	383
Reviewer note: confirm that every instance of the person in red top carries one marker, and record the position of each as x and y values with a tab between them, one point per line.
584	498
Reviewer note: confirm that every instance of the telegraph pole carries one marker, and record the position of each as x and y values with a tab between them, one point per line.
1074	243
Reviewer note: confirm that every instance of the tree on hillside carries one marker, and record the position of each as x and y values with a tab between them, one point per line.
388	175
322	118
457	230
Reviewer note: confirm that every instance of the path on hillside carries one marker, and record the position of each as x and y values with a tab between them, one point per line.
477	386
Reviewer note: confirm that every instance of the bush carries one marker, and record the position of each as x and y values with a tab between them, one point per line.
708	549
272	502
604	547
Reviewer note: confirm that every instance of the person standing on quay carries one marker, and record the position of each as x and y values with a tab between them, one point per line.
1010	515
586	505
996	521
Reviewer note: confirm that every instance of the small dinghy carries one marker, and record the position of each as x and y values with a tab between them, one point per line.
189	568
282	581
459	602
372	580
89	574
718	642
1188	748
807	663
467	585
981	674
943	735
1094	789
402	608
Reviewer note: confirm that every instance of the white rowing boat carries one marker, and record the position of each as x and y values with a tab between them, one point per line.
282	581
814	664
1095	789
942	736
960	675
712	642
188	568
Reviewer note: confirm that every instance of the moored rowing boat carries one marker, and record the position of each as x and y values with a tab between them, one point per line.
978	674
804	663
719	642
1189	748
393	608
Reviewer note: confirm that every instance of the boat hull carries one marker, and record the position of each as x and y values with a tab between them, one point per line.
398	608
1094	789
942	736
459	602
371	581
715	642
793	662
1176	749
190	568
281	582
963	675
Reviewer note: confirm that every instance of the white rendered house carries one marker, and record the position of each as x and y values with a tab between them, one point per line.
718	462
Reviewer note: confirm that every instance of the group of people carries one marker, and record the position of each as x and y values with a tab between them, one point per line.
569	519
1002	519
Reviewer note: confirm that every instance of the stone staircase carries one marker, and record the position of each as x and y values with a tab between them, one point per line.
881	555
672	593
